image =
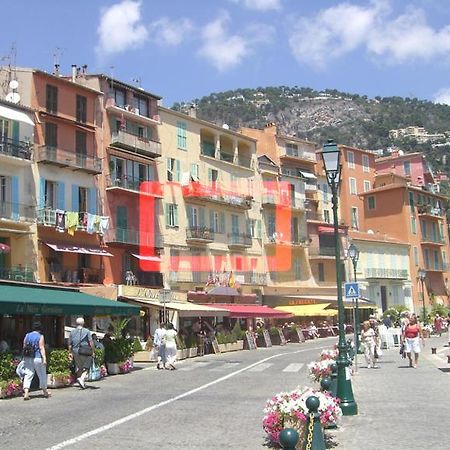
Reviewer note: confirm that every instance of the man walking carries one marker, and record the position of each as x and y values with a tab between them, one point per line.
81	349
159	345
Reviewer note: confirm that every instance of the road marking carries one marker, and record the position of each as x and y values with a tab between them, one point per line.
260	367
224	367
149	409
196	365
294	367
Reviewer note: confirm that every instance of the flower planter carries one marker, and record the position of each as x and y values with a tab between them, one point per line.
13	389
144	356
240	345
56	382
113	368
223	348
182	354
275	338
192	352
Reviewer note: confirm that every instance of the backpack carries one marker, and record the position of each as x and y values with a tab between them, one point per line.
29	350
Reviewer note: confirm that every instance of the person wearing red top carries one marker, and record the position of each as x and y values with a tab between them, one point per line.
410	338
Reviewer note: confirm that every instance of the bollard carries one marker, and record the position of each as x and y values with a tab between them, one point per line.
433	350
288	438
325	384
333	390
314	439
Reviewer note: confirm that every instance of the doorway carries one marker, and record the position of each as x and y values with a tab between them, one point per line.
383	290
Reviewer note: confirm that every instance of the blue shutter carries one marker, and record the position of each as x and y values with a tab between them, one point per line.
15	197
15	132
201	217
41	200
75	197
92	201
60	192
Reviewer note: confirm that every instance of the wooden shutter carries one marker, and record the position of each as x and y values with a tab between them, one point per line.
60	196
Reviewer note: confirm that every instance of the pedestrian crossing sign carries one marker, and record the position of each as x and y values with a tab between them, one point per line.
351	290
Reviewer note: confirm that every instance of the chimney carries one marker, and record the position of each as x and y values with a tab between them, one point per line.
56	70
74	72
192	112
271	128
84	69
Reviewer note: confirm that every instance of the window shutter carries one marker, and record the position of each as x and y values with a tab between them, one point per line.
15	132
249	227
222	222
60	193
175	215
92	201
189	216
211	220
167	215
169	170
258	229
202	217
209	175
41	201
75	197
15	197
178	171
121	217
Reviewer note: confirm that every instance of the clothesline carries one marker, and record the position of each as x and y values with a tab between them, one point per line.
70	221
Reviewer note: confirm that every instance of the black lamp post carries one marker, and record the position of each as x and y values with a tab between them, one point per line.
422	275
353	253
331	162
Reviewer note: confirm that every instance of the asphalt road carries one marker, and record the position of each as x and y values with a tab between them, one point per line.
213	402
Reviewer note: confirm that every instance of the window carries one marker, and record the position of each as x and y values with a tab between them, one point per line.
352	182
234	224
350	159
326	216
5	192
426	254
416	256
271	228
171	215
181	135
119	97
121	219
173	170
366	163
291	149
51	134
297	269
325	193
321	268
82	199
366	185
215	221
371	202
195	170
80	148
141	132
411	199
51	100
50	194
193	216
436	259
213	176
4	129
141	104
354	216
423	226
252	227
81	112
407	168
413	225
128	174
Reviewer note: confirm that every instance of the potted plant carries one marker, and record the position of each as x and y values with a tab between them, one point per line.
117	352
239	335
275	336
181	348
10	385
58	368
191	344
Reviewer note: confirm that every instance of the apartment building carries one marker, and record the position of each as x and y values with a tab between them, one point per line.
416	216
18	244
211	207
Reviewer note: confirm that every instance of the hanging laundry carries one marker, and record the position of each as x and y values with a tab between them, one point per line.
90	228
97	220
104	224
60	220
83	219
71	222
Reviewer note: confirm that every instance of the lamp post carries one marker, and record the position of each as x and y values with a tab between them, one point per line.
164	297
422	275
331	162
353	253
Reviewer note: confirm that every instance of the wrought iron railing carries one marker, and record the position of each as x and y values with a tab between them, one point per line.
139	143
239	239
17	212
200	233
19	149
65	158
372	272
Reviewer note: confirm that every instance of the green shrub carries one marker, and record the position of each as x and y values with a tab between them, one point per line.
439	309
58	361
137	347
6	366
394	312
191	341
99	357
118	350
274	331
237	330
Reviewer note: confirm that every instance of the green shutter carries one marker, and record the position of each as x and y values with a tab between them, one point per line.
209	175
222	222
211	220
189	215
201	219
258	229
167	211
178	171
175	215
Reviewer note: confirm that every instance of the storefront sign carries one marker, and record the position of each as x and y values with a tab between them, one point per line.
149	294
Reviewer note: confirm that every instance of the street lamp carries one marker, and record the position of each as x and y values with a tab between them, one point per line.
353	253
165	297
331	163
422	275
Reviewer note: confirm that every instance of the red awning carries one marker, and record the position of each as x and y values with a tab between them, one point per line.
329	230
250	311
75	249
147	258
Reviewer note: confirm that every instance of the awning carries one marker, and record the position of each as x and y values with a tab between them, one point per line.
318	309
75	249
13	114
309	175
251	311
39	300
185	309
223	290
322	229
147	258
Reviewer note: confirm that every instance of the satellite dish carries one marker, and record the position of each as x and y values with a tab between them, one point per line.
13	84
13	97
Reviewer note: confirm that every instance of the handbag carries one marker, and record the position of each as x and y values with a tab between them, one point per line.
94	372
85	350
28	349
375	353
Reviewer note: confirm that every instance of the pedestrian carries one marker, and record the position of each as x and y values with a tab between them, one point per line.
374	325
448	328
438	324
410	338
368	339
97	344
170	346
35	360
313	331
159	346
81	348
387	321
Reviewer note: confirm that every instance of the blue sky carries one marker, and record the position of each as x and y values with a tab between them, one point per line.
183	49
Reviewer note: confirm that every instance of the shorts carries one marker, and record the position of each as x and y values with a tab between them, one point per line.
412	345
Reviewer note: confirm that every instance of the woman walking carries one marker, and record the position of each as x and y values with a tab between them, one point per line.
35	360
170	346
410	338
368	339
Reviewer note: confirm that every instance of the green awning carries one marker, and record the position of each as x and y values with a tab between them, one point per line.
19	299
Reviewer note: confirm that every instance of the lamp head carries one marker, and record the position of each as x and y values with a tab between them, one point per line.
353	252
331	161
422	274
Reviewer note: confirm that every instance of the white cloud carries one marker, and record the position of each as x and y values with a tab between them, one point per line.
341	29
170	32
224	50
120	28
260	5
442	96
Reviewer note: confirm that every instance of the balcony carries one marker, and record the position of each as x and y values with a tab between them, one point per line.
239	240
17	212
310	187
188	277
274	199
323	252
214	194
130	236
432	240
298	155
295	241
18	273
17	149
72	160
201	235
252	278
135	185
314	217
136	144
73	275
47	218
142	278
239	160
398	274
430	212
442	267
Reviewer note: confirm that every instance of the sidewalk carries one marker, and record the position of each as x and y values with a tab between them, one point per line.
400	407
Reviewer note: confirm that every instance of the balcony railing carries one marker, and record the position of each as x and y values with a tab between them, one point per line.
142	278
310	187
322	251
301	154
215	194
73	275
18	149
239	160
311	215
17	212
239	240
400	274
258	279
441	267
275	199
201	234
72	159
135	184
428	210
434	240
47	217
17	273
295	241
133	237
188	277
138	144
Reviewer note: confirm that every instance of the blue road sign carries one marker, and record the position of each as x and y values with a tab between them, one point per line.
351	290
